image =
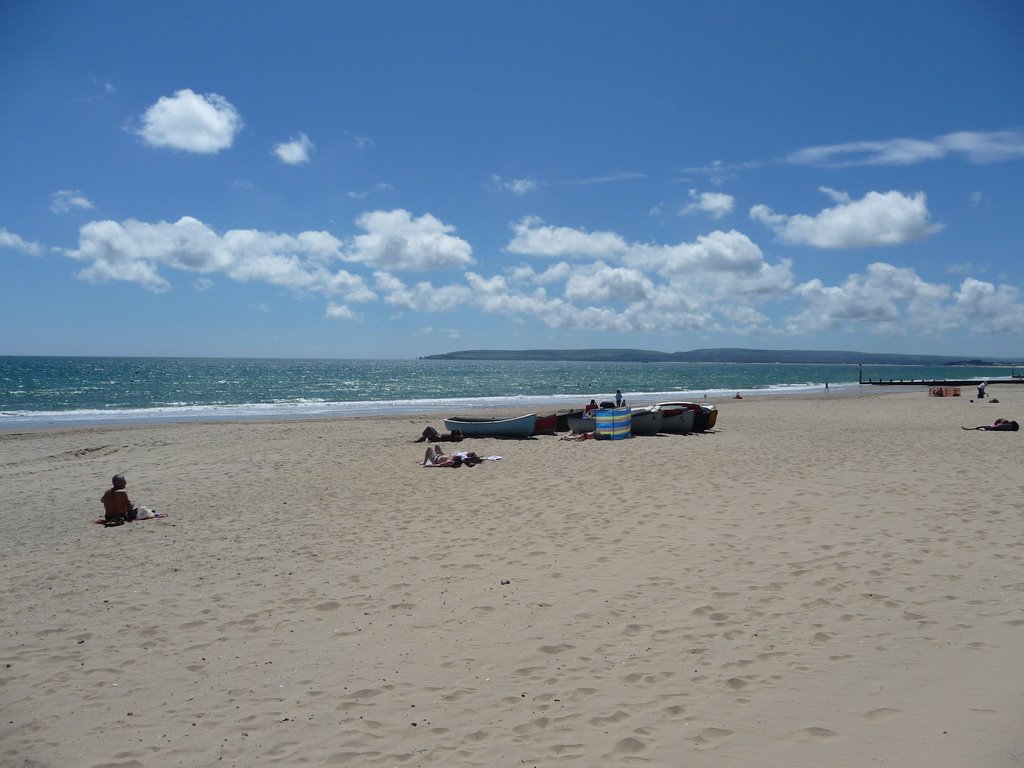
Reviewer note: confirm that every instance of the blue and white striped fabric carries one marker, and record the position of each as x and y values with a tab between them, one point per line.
612	423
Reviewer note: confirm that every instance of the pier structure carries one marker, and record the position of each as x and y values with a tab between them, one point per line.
1014	378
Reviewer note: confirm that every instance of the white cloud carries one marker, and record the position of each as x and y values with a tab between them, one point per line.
718	251
532	237
837	195
717	204
397	240
191	122
135	251
719	282
338	312
423	296
608	284
525	186
378	187
11	240
65	200
296	151
988	308
887	300
518	187
877	219
975	146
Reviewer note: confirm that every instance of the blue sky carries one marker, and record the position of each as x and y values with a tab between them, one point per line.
326	179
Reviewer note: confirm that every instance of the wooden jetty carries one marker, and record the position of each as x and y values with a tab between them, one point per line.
1014	378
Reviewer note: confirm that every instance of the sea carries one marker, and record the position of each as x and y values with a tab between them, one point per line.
77	391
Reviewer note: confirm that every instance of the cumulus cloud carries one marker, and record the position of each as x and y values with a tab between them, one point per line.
338	312
535	238
66	200
717	253
296	151
877	219
608	284
990	308
717	204
135	251
975	146
718	282
192	122
886	300
11	240
422	296
397	240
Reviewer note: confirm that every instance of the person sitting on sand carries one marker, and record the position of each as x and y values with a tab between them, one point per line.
588	412
435	457
117	507
999	425
432	435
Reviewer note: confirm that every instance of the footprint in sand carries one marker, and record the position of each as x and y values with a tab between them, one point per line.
555	649
814	732
629	746
712	737
880	713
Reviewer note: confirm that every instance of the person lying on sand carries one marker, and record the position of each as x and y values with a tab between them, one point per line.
432	435
999	425
580	436
435	457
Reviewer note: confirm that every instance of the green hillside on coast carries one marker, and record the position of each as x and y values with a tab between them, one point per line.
720	355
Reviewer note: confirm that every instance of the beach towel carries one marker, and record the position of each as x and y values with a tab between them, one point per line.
152	515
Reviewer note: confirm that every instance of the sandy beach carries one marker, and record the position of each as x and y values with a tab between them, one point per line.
820	581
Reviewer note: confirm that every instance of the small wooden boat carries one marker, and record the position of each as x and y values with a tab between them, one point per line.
646	420
676	418
485	426
545	425
711	415
562	418
704	416
578	425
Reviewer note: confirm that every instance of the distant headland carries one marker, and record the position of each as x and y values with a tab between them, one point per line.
718	355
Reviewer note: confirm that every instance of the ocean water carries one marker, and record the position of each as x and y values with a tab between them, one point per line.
68	391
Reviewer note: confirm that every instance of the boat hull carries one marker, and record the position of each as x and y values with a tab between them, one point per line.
578	425
646	421
704	416
676	418
545	425
520	426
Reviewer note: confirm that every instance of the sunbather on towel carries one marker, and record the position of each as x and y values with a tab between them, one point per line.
435	457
